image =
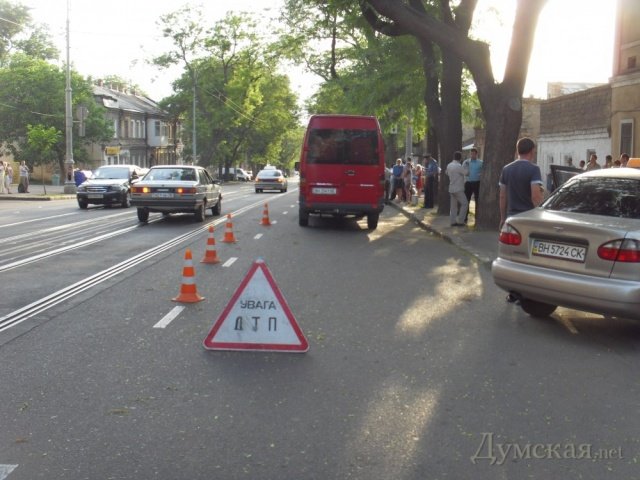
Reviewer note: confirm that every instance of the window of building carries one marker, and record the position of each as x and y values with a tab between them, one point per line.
626	137
631	63
157	128
115	128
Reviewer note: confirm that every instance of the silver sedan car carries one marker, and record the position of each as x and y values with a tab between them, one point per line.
580	249
176	189
270	179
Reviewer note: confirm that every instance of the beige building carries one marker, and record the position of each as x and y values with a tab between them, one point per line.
625	82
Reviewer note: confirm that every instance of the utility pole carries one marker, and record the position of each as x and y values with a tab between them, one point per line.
193	132
69	183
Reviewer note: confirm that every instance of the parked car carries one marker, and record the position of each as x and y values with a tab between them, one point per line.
108	185
580	249
177	189
271	179
238	174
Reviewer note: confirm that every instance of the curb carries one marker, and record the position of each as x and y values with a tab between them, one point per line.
459	242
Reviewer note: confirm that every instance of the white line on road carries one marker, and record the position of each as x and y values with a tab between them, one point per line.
229	262
258	236
37	219
273	222
285	212
169	317
5	470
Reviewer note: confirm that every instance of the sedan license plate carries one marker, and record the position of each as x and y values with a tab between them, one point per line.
564	251
323	191
162	195
95	195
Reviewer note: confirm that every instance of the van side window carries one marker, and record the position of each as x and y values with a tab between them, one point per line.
346	147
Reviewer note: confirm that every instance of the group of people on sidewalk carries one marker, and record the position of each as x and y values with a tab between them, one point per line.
521	186
6	177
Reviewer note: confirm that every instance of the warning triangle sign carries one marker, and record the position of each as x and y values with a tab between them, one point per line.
257	318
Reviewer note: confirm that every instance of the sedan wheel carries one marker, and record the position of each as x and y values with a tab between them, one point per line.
143	215
126	200
83	204
199	213
537	309
217	208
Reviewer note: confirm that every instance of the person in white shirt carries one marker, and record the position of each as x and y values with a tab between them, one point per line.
459	204
2	172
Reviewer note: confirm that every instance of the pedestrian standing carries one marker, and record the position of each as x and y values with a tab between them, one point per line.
459	204
2	172
24	176
593	163
521	186
624	158
431	172
398	182
8	176
406	176
473	168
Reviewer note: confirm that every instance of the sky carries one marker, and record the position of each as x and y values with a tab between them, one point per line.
574	39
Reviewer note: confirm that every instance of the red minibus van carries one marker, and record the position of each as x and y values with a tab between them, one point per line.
342	168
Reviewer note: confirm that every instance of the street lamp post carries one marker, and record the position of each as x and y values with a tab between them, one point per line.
69	184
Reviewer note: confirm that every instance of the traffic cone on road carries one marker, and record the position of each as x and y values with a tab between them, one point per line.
228	231
210	254
265	216
188	293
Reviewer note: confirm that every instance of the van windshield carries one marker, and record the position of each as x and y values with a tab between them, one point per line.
346	147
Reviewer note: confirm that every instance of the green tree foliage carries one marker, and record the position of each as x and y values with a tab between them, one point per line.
18	34
33	94
244	108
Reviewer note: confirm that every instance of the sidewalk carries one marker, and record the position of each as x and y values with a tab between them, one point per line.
482	244
36	192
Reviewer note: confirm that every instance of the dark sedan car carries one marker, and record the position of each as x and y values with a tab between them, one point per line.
580	249
110	184
177	189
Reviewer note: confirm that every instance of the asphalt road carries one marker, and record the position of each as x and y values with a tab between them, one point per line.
416	368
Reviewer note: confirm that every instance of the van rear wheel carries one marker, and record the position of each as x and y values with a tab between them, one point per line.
372	220
303	218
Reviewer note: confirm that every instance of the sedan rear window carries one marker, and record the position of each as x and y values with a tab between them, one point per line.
174	174
612	197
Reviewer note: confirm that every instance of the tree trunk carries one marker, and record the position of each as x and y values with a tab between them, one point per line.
451	135
504	117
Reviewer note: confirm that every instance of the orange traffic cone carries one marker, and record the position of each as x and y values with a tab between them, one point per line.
210	254
188	293
265	216
228	231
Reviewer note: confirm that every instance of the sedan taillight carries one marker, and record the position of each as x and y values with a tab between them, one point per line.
140	189
624	250
186	190
509	235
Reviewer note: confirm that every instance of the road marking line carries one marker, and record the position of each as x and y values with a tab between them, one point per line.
229	262
258	236
285	212
273	222
5	470
169	317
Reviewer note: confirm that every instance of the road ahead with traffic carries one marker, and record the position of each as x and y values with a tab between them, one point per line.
417	367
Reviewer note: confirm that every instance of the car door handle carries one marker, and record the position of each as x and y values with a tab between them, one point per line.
351	173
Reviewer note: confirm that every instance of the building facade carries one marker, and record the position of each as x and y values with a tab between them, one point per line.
625	82
144	134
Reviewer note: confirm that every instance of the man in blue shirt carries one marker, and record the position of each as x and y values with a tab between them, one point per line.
431	173
473	169
520	182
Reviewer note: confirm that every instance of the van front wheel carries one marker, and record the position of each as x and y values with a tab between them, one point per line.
372	220
303	218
